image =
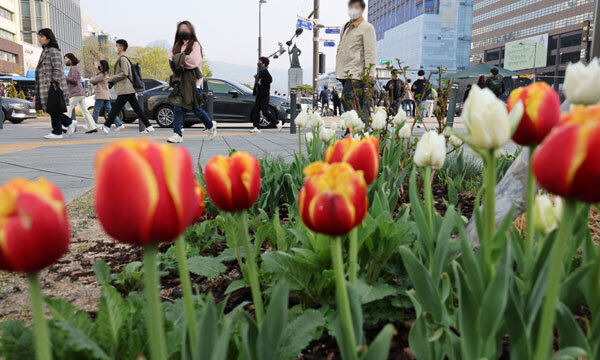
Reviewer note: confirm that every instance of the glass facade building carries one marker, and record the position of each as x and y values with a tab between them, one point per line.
62	16
423	34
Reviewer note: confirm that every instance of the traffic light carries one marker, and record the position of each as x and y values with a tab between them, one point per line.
321	63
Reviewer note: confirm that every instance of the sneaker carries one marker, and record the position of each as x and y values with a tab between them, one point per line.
105	129
175	139
72	128
213	131
52	136
255	131
91	131
419	126
279	126
119	128
74	123
147	130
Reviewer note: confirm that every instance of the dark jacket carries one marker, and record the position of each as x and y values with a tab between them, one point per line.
264	88
335	96
185	93
419	90
324	96
495	84
395	89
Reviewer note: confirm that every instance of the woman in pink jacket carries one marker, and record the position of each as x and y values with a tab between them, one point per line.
76	93
187	42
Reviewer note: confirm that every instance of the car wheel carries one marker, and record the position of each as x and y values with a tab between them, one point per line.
264	121
126	120
164	116
15	121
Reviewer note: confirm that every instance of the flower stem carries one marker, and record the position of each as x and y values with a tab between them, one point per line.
252	267
429	197
42	340
186	287
342	297
299	141
556	268
353	265
158	347
489	209
528	251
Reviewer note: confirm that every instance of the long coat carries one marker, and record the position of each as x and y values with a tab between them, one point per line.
49	69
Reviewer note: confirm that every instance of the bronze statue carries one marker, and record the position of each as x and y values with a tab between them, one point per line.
295	57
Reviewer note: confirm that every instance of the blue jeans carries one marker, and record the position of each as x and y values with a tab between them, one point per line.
179	115
98	105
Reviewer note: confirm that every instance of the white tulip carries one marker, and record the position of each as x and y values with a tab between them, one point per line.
326	134
455	141
546	215
379	119
302	119
309	137
316	121
486	119
351	120
357	136
582	83
431	150
405	132
334	127
400	118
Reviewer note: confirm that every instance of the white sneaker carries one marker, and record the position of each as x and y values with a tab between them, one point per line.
71	129
255	131
105	129
213	131
175	139
419	126
52	136
119	128
147	130
279	126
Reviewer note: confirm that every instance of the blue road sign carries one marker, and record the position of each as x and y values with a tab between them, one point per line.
329	44
332	31
304	24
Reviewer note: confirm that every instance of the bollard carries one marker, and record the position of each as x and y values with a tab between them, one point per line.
140	98
452	105
293	110
2	116
210	104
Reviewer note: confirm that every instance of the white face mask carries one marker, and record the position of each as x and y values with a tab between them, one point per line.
354	13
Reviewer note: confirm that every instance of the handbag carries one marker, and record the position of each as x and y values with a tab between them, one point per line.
56	100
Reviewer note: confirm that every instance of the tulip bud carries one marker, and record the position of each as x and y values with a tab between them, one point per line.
233	183
302	119
309	137
201	206
34	229
455	141
540	114
405	132
486	119
546	215
351	120
360	154
333	199
145	192
379	119
400	118
431	150
316	121
582	83
326	135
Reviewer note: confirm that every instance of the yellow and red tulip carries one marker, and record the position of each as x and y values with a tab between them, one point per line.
541	112
333	200
233	183
34	229
361	154
567	163
201	205
145	193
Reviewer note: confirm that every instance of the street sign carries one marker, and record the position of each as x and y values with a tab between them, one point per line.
303	24
332	30
329	44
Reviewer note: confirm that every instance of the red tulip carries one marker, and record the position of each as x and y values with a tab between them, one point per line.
333	200
145	192
360	154
34	229
201	206
567	163
542	112
233	183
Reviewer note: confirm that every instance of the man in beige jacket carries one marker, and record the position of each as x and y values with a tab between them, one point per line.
357	52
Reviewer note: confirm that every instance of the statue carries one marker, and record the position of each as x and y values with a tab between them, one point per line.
295	57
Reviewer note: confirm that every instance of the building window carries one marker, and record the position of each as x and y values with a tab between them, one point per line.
7	35
6	14
6	56
570	40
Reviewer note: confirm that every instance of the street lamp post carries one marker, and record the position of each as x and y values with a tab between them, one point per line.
260	2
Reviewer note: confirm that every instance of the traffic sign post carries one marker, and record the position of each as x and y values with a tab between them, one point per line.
329	44
332	30
210	104
305	24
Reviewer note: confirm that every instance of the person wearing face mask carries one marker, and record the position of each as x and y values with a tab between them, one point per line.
123	83
185	60
357	52
262	90
102	95
76	93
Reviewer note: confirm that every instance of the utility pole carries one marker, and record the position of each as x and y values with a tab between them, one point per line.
260	2
596	39
316	20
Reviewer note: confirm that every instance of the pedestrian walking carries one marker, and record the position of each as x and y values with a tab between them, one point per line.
49	74
262	89
337	106
420	91
77	94
481	82
102	96
324	96
495	83
122	80
357	50
395	89
408	99
186	62
467	92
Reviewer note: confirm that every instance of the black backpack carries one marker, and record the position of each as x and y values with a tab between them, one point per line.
136	71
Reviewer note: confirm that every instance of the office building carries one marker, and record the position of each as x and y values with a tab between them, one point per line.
88	27
423	34
532	36
11	52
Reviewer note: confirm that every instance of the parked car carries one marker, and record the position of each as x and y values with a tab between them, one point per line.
17	110
233	102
